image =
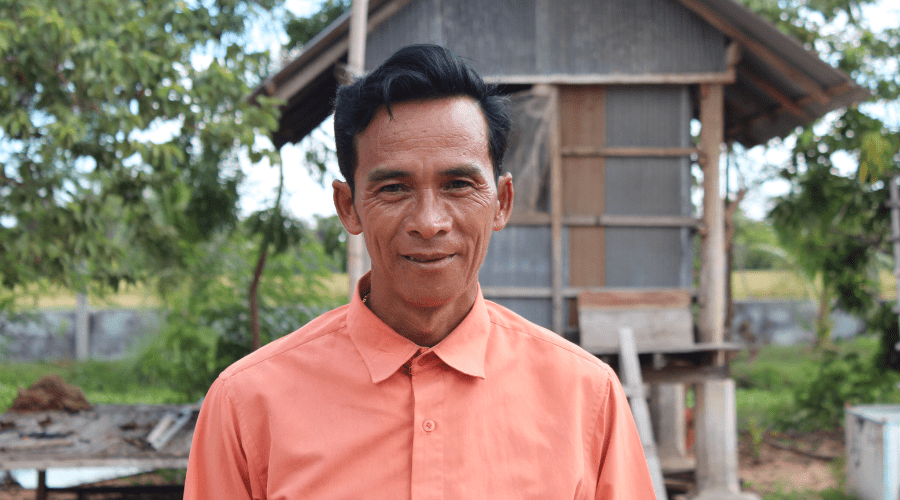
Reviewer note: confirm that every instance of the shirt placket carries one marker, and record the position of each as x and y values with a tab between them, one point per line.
428	428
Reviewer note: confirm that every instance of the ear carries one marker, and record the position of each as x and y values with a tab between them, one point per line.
343	203
503	210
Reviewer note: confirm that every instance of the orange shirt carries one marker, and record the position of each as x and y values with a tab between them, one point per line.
346	408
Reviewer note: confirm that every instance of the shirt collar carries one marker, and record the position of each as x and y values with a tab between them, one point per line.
386	351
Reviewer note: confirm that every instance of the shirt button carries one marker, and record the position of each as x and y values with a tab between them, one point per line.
429	425
422	361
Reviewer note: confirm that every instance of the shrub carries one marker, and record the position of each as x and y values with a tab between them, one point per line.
842	379
207	322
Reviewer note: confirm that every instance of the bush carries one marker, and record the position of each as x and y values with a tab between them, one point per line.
884	323
842	379
207	325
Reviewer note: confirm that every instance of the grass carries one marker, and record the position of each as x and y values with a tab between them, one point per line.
789	285
103	382
766	383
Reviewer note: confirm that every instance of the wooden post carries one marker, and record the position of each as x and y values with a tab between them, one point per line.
715	416
556	248
712	268
358	262
41	492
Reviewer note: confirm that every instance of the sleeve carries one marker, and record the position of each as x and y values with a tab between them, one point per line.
218	467
623	474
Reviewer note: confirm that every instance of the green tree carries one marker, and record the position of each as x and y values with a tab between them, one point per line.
301	30
835	226
121	126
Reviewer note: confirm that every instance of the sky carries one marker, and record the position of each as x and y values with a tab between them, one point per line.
306	197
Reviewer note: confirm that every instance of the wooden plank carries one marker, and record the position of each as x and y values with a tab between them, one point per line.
587	255
684	374
724	77
769	57
631	221
654	328
583	124
630	372
541	219
583	116
629	152
632	299
516	292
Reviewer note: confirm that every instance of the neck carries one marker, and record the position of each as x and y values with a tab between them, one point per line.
424	326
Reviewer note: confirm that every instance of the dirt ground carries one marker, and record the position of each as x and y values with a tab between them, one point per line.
792	462
785	462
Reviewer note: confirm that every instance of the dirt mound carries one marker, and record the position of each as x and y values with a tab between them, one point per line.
50	392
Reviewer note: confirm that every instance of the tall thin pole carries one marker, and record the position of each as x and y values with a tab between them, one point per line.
358	262
895	231
82	328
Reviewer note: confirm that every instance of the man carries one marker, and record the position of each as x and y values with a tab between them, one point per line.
419	388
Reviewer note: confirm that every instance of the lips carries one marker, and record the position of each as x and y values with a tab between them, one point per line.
429	258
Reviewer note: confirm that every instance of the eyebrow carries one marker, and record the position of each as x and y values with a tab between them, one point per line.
463	171
381	175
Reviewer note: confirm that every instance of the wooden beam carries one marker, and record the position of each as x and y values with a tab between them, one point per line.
587	220
631	221
329	57
778	96
631	152
517	292
712	267
684	374
764	53
636	298
725	77
556	208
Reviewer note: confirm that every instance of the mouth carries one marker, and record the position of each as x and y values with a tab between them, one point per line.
429	258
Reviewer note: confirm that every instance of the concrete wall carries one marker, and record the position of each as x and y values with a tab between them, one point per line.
786	322
115	333
50	335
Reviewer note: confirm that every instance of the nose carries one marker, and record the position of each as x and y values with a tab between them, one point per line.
430	217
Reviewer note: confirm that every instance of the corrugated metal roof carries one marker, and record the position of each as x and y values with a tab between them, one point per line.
778	84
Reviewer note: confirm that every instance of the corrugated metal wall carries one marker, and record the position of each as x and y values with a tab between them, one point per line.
631	257
648	116
538	37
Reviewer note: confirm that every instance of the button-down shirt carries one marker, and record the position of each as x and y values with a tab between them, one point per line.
346	408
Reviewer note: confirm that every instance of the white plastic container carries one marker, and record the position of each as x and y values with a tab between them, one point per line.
873	451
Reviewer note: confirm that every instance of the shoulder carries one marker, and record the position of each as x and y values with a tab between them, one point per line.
306	337
550	345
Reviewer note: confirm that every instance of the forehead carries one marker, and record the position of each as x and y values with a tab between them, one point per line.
423	132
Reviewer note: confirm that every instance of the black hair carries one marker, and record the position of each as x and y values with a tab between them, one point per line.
412	73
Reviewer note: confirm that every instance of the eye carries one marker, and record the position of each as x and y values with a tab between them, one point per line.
459	184
391	188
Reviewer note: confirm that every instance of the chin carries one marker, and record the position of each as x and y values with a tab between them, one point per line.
427	301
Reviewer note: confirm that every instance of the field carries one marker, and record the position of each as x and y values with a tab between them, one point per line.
772	284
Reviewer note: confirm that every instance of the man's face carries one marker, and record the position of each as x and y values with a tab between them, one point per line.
426	200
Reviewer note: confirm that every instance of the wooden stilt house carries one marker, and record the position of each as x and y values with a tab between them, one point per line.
605	94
